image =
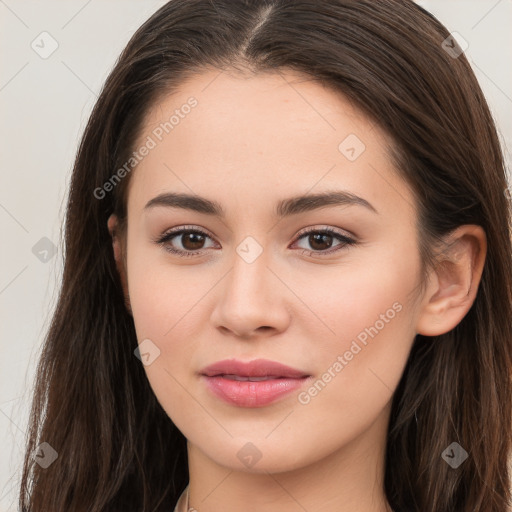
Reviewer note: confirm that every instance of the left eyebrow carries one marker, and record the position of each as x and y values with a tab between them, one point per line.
284	208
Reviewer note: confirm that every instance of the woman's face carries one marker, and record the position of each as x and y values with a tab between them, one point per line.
265	281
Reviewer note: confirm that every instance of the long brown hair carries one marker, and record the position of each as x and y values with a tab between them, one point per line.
117	449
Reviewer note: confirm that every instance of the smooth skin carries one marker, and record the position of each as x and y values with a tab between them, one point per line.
250	142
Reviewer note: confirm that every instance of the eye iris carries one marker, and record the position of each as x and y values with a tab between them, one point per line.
197	239
316	238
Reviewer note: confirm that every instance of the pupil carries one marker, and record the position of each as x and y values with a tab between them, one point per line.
196	238
320	237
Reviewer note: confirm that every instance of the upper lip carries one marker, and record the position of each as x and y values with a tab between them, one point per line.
255	368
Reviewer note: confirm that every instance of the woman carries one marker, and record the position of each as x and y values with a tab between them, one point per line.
288	273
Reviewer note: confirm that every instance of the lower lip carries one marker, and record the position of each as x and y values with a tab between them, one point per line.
245	393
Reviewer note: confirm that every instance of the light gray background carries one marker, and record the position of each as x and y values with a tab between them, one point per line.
44	105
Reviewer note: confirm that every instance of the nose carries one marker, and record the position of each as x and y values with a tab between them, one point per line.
252	300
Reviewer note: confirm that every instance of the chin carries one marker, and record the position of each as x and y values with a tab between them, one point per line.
260	457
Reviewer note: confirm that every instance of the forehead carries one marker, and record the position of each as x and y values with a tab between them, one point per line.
270	134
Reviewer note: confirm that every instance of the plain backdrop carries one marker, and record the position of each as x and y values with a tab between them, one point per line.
44	104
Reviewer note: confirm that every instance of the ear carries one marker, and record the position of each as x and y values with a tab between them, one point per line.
120	257
453	284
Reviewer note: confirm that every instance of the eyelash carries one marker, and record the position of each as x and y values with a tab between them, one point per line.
166	237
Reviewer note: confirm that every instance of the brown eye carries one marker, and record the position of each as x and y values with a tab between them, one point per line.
321	241
191	240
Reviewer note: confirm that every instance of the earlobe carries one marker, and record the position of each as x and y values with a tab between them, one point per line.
454	282
112	225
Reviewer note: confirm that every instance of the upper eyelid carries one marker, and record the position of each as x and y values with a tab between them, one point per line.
176	231
314	227
339	231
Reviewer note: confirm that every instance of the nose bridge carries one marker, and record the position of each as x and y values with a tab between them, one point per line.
248	282
249	299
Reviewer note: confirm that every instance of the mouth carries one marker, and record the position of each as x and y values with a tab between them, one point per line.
254	384
258	368
245	378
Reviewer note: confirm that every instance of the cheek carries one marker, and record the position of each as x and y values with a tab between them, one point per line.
358	295
360	366
166	310
161	292
367	327
168	306
165	307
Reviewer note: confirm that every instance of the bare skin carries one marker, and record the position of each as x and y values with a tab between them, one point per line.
249	143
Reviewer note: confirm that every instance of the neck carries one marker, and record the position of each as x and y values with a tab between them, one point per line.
349	479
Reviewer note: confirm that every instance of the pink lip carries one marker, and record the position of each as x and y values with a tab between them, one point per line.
282	380
255	368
